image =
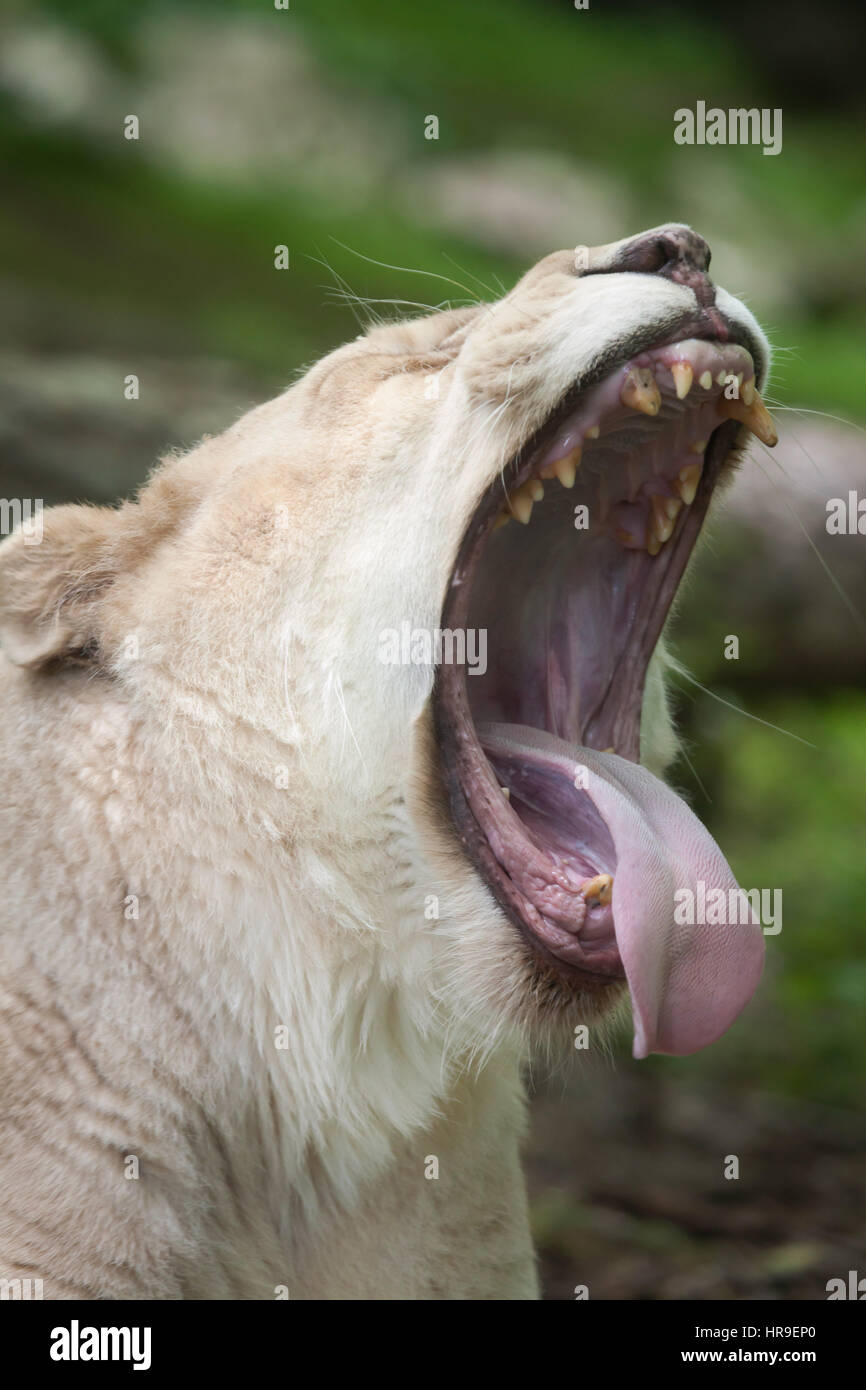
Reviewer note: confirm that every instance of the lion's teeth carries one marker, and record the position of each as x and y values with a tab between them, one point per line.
755	416
747	392
662	525
673	507
598	889
699	446
705	380
520	503
722	377
506	792
593	432
535	489
502	520
566	469
683	376
640	391
687	482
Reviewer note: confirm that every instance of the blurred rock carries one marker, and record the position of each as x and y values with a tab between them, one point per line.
770	573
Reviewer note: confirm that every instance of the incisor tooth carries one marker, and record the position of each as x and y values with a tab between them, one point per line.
755	417
598	889
706	380
683	376
593	432
536	489
506	792
687	482
640	391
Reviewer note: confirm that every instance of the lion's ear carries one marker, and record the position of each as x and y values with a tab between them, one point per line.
53	571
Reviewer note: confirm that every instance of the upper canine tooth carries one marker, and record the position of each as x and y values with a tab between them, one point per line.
520	503
706	380
687	482
566	469
754	416
683	376
640	391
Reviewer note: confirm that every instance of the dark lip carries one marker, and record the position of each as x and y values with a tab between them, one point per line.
456	738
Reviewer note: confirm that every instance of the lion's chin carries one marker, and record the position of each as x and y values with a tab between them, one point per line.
569	569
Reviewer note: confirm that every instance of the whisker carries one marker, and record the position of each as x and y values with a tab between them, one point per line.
848	603
681	671
470	273
407	269
351	298
802	410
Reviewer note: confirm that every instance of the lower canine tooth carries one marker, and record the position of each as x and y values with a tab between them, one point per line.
640	391
598	889
683	376
755	417
687	482
662	524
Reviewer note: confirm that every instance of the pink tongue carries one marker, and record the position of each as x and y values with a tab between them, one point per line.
688	982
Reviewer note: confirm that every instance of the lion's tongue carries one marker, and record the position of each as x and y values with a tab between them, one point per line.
687	982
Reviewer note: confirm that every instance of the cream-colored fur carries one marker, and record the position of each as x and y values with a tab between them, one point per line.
219	835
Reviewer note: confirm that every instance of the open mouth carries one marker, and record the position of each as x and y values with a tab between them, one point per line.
570	564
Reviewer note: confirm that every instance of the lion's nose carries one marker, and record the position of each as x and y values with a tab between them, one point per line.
672	250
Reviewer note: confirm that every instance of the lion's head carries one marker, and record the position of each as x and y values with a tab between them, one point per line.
468	810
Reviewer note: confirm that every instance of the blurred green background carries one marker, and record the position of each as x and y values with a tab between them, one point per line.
306	127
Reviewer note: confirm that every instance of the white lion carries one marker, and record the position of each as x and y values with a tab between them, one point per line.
281	919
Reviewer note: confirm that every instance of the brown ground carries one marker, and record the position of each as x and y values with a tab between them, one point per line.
626	1182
